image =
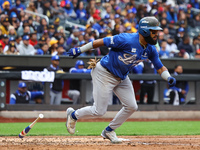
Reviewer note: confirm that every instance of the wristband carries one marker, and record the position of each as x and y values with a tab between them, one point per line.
165	75
86	47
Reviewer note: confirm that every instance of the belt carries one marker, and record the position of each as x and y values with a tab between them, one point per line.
116	77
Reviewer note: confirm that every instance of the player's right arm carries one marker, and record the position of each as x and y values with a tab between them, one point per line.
117	41
75	52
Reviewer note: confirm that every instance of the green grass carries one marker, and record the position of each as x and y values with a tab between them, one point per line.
95	128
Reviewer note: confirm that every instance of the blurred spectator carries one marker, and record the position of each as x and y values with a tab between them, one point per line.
53	46
12	32
163	53
33	38
41	41
74	36
12	50
166	33
185	45
11	40
69	10
172	28
32	23
57	11
4	40
182	54
179	36
5	25
178	93
23	96
61	41
38	5
47	9
19	6
61	50
195	4
42	26
196	47
25	29
171	46
81	13
74	89
171	14
161	37
31	7
18	39
25	48
6	7
164	23
197	20
43	50
56	23
2	3
99	26
57	86
51	30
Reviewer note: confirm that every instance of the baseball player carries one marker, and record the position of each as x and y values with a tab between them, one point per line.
110	74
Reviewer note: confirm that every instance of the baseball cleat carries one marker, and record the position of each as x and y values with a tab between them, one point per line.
111	135
70	123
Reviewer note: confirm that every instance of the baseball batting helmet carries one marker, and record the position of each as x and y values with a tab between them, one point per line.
78	63
148	23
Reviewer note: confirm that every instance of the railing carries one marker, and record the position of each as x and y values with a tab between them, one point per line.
5	76
37	14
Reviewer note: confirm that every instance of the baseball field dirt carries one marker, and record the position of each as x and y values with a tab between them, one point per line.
96	142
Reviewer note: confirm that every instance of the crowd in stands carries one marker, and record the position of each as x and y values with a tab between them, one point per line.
22	33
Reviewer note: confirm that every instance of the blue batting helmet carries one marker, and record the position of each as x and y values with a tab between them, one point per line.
148	23
79	63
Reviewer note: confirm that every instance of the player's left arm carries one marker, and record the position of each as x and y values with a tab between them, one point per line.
161	69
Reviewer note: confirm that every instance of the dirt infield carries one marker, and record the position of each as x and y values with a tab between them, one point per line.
98	143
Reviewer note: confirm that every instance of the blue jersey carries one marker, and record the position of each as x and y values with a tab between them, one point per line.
126	52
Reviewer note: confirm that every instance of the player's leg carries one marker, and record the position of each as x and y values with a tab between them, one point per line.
74	95
52	97
125	93
58	98
103	84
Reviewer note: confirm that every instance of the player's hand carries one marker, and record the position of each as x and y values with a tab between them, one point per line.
75	52
171	81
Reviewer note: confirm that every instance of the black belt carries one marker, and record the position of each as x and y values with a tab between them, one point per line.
118	78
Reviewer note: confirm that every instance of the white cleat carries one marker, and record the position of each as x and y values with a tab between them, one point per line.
111	136
70	123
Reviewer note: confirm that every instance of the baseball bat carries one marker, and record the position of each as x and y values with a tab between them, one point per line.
27	129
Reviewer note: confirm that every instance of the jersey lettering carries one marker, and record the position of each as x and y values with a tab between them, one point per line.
111	40
129	59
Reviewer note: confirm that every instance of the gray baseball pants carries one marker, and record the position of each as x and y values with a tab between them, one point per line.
104	83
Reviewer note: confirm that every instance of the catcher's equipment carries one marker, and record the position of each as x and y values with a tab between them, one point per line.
148	23
92	63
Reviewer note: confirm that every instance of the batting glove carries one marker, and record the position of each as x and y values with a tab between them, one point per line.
171	81
75	52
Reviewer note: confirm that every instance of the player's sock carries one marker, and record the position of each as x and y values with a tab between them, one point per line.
109	129
73	116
